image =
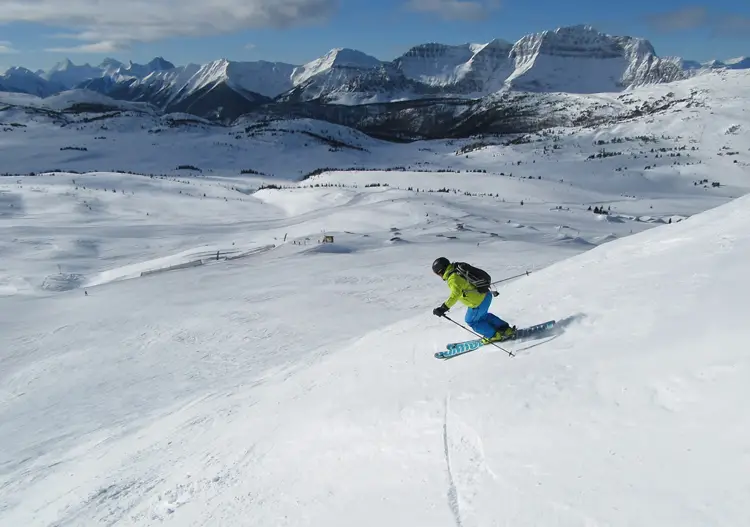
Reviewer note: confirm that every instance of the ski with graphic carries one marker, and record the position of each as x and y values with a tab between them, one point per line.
455	349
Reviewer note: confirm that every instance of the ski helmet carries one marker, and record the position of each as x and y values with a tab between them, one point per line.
440	265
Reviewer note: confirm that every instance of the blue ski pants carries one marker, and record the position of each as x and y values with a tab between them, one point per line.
483	322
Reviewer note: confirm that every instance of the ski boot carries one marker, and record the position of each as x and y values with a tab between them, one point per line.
501	335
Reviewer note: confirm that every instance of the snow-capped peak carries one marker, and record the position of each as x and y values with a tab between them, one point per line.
579	42
494	44
265	78
442	65
159	64
18	70
575	59
336	58
692	66
109	66
68	74
738	63
580	59
142	70
65	64
23	80
109	62
349	58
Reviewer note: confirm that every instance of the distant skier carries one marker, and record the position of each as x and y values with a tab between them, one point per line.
477	297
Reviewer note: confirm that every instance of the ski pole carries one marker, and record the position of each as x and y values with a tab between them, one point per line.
478	335
527	273
495	293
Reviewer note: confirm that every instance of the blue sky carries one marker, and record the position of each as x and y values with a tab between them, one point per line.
38	34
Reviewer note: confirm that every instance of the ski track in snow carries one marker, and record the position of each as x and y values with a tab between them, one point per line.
466	465
453	497
291	382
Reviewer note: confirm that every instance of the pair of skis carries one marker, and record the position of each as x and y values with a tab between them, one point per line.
459	348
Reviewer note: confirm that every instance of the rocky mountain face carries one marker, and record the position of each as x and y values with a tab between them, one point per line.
582	60
574	60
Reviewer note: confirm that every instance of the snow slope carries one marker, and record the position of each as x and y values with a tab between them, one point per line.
33	139
297	386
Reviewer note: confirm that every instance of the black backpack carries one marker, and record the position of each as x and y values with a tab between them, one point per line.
478	278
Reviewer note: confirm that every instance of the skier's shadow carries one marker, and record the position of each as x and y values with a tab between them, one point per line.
544	339
554	333
563	323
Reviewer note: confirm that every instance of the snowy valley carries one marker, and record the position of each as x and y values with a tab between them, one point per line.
180	343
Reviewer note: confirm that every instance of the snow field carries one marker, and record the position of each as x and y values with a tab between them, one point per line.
239	411
69	231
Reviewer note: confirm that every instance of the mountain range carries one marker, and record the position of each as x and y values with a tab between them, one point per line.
576	59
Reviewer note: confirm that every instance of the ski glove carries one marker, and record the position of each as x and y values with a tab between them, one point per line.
440	311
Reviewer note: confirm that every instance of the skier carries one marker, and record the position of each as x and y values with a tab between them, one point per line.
489	326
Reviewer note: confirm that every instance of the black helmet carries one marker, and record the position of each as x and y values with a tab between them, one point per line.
440	265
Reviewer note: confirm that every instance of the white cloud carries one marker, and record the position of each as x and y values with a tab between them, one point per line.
697	17
454	9
104	46
6	48
681	19
104	24
250	46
